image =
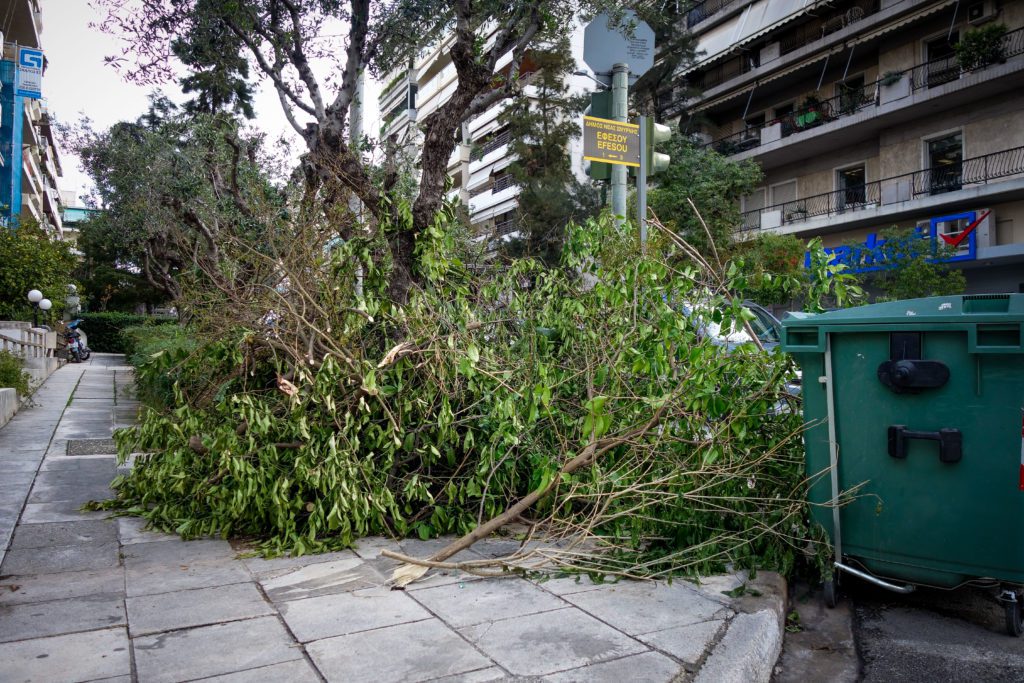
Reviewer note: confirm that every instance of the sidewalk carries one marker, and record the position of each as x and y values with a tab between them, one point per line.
88	598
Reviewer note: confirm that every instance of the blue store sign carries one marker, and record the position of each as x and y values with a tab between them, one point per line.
957	230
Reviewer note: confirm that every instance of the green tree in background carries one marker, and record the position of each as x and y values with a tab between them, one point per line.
541	126
713	182
29	259
917	271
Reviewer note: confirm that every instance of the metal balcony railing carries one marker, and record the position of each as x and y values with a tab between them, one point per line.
929	181
947	69
705	10
813	114
505	227
500	183
814	31
500	140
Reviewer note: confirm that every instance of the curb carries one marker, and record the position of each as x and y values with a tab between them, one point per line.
752	643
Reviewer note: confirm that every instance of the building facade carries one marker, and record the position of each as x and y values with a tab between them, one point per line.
479	166
29	161
871	114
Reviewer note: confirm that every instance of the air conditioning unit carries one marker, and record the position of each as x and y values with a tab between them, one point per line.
981	12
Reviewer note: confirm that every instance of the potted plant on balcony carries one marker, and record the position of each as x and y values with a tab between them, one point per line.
813	112
797	213
981	47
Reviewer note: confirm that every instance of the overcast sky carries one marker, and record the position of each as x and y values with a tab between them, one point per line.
77	83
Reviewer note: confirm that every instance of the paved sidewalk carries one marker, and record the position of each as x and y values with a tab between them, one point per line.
84	597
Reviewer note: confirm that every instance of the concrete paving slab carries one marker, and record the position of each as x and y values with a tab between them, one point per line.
213	650
540	644
264	568
643	607
89	656
56	617
17	479
78	495
419	651
344	613
132	530
747	652
63	511
40	587
650	667
199	607
295	671
491	673
153	579
64	533
12	466
60	559
466	604
326	578
687	643
178	552
569	584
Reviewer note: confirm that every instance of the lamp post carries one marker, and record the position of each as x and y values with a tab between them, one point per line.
35	297
45	305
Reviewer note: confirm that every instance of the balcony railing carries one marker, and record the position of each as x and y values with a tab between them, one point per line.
947	69
494	143
811	32
851	101
705	10
811	115
929	181
500	183
505	228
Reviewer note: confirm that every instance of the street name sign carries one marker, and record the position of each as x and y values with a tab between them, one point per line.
630	41
612	142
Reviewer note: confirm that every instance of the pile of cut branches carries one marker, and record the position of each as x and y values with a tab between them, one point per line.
579	399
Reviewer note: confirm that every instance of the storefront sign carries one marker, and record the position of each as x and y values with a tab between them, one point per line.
30	73
957	230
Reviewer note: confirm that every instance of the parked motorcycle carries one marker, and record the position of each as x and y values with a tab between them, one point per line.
77	350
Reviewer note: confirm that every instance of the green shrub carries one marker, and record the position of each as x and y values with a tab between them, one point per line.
157	352
981	47
12	374
104	329
30	259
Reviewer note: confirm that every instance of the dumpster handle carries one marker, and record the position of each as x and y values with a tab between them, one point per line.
906	588
833	448
950	442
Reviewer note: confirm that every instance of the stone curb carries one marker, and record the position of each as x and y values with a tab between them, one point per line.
752	643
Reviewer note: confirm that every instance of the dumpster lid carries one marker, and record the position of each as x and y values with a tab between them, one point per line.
936	309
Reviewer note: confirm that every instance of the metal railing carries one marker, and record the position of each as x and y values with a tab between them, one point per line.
812	32
813	114
929	181
505	227
948	69
500	140
500	183
705	10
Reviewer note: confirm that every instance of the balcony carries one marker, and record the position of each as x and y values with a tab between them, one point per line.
925	183
496	142
500	183
859	113
707	9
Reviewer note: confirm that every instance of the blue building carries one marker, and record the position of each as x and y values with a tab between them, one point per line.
29	161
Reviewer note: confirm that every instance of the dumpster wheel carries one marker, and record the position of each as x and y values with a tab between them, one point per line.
831	593
1012	605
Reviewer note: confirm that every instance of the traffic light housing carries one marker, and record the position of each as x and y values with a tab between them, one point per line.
656	132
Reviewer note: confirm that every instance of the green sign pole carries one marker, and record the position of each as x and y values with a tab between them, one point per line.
620	112
641	182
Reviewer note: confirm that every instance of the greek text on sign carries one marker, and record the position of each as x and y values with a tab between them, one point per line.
613	142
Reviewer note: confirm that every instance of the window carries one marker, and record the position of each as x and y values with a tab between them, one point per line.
945	158
942	66
784	192
850	187
753	201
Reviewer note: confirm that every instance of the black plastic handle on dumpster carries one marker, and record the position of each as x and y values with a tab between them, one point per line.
951	442
913	376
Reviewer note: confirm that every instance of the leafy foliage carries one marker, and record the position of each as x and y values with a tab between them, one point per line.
774	265
106	330
12	374
497	386
541	126
917	268
713	182
29	259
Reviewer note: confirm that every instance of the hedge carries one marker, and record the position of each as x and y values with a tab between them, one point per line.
104	330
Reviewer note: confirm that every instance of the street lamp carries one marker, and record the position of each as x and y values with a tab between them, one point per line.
35	297
45	305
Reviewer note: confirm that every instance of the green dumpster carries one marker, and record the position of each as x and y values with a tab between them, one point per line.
915	409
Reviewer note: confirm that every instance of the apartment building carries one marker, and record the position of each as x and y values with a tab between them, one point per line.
479	166
869	114
29	161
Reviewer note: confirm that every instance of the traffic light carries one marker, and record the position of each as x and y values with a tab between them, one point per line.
656	132
601	107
